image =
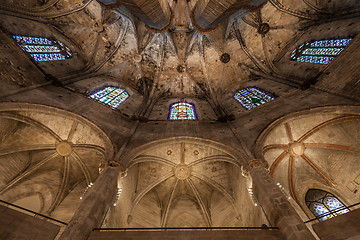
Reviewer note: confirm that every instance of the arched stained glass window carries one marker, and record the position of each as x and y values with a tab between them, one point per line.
252	97
324	205
43	49
322	52
182	111
110	96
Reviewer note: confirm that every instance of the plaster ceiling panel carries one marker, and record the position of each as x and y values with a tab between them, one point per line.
147	213
278	136
336	134
8	127
340	164
85	135
27	136
225	214
298	128
61	126
280	174
271	155
31	202
45	184
69	205
150	173
186	213
12	165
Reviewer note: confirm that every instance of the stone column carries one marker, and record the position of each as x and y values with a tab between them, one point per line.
278	209
93	208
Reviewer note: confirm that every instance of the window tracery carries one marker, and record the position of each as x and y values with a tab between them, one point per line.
43	49
110	96
321	52
182	111
252	97
324	205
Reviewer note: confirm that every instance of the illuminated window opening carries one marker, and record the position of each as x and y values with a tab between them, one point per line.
321	52
324	205
182	111
252	97
110	96
43	49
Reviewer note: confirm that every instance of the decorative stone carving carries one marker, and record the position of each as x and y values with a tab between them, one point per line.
257	163
182	172
64	148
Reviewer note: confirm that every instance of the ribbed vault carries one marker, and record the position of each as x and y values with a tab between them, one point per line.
45	154
321	146
183	184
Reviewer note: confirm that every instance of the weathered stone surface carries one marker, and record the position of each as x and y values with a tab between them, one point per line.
277	207
345	226
190	235
94	206
15	225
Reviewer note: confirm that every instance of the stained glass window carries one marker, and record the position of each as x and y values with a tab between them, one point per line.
252	97
110	96
322	52
43	49
324	205
182	111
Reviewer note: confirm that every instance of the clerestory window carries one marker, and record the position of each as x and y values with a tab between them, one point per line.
43	49
182	111
321	52
110	96
324	205
252	97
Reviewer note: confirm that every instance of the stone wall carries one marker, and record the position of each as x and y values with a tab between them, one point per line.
346	226
189	235
15	225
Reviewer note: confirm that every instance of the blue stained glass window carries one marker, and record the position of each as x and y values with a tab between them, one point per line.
43	49
110	96
182	111
324	205
321	52
252	97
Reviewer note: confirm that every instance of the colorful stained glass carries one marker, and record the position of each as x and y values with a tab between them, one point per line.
182	111
252	97
43	49
319	209
333	203
47	57
110	96
32	40
321	52
324	205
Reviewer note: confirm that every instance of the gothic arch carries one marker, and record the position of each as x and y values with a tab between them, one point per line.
315	147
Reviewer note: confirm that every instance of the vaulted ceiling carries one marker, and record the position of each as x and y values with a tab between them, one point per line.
111	42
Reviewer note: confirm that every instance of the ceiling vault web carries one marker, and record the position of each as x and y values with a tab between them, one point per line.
27	172
140	195
203	207
297	148
64	185
168	204
147	158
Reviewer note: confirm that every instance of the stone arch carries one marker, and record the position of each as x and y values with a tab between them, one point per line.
306	147
54	141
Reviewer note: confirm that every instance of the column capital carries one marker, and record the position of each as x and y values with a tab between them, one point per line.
116	164
257	163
